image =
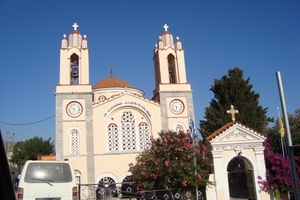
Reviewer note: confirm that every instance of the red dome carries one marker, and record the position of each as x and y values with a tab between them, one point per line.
111	82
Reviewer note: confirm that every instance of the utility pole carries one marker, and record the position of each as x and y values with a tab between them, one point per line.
19	161
289	137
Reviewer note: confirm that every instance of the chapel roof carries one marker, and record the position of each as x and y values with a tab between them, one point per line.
223	129
112	82
220	131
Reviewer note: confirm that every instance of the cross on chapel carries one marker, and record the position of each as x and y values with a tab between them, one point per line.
232	112
166	27
75	26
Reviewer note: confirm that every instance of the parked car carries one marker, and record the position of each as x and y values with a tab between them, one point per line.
53	180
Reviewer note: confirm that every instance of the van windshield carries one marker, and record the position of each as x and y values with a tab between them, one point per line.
48	173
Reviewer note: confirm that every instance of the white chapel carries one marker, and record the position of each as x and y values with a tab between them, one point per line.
101	128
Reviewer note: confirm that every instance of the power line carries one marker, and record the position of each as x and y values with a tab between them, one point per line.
25	124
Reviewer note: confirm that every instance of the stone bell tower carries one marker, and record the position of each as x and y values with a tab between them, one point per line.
74	121
172	88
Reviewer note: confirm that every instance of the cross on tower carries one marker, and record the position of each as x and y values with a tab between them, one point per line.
111	71
232	112
75	26
166	27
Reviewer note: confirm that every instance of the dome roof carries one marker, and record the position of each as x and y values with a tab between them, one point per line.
111	82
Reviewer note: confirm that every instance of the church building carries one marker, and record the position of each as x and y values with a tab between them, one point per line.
101	128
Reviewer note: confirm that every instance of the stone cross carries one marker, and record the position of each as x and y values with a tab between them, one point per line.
166	27
232	112
75	26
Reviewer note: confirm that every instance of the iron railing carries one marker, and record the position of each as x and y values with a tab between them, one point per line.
127	191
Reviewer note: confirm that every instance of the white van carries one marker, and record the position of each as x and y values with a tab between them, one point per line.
47	180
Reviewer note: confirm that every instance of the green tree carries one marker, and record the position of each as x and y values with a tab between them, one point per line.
294	123
171	163
274	137
30	149
232	89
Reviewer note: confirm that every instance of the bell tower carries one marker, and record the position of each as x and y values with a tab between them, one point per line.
171	87
168	59
74	121
74	59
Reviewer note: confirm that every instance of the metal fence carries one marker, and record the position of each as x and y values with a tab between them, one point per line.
127	191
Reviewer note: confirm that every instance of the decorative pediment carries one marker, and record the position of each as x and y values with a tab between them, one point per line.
235	132
129	95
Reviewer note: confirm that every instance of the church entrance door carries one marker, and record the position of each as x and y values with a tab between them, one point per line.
240	179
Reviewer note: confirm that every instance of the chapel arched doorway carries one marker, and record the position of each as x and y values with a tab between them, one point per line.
240	179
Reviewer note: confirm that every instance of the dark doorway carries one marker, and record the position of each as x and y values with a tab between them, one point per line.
240	179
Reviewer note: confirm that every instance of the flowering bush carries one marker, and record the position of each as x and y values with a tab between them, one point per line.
172	162
279	176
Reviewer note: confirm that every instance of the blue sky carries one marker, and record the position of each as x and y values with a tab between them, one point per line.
259	37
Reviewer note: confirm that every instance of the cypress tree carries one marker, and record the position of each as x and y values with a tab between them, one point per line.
232	89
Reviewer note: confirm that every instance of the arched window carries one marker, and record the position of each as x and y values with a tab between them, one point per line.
144	136
128	131
128	187
172	70
74	141
113	137
106	187
179	128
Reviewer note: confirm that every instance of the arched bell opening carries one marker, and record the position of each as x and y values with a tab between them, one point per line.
240	178
172	69
74	65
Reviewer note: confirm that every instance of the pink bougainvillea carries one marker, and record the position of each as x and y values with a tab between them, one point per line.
279	176
172	162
